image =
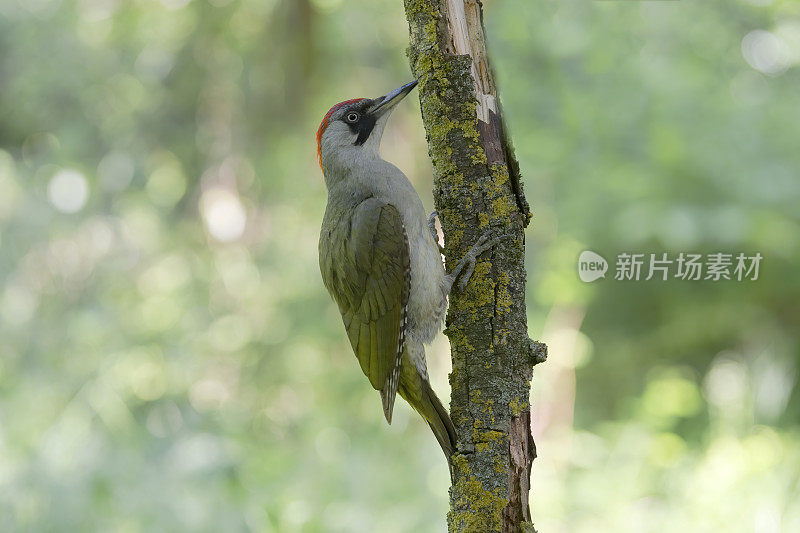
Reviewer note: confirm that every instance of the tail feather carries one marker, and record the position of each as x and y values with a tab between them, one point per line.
387	399
441	425
415	388
427	404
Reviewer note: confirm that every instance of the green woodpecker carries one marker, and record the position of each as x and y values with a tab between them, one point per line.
381	261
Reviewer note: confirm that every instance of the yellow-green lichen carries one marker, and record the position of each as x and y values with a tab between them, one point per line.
455	236
504	299
476	508
430	31
459	340
418	8
481	292
476	397
500	465
486	440
502	205
478	158
487	437
486	407
517	406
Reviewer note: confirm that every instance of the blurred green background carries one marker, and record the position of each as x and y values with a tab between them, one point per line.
169	358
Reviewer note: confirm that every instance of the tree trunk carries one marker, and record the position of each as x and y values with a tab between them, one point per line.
477	187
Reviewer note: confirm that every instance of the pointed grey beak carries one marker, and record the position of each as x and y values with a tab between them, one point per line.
384	104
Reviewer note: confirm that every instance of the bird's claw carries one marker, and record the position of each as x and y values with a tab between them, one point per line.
465	277
485	242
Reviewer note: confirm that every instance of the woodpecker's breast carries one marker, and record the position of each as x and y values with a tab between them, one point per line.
427	301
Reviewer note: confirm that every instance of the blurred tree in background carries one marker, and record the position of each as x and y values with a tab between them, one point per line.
169	357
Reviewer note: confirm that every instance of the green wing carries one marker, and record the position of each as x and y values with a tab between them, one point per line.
364	261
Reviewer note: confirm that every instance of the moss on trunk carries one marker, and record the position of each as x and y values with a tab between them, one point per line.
477	187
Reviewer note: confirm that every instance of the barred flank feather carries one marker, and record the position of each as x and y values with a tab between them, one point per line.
389	391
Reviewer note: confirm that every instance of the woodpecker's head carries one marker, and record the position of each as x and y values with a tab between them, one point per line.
353	128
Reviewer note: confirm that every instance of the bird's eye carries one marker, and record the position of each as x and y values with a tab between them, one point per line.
352	117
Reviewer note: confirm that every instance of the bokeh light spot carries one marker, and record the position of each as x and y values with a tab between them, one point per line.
223	214
68	191
765	52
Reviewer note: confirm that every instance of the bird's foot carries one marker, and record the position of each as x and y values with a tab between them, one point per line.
466	267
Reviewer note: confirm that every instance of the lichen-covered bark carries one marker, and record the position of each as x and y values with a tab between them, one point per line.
477	187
